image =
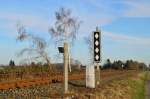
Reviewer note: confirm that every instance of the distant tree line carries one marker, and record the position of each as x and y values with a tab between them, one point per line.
129	64
11	63
36	67
43	68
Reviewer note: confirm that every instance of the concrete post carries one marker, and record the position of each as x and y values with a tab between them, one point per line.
97	75
65	67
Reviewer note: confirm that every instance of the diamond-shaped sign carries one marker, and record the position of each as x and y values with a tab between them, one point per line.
97	57
96	50
97	46
96	35
96	43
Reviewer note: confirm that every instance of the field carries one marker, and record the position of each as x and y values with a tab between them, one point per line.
115	84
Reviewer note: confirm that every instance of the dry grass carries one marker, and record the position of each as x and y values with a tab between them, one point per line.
131	87
113	90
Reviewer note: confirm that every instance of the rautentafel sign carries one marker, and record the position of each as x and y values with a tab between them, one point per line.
97	47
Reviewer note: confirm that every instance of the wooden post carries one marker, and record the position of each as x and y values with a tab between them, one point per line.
65	67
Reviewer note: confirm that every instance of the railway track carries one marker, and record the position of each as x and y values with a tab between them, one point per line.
37	81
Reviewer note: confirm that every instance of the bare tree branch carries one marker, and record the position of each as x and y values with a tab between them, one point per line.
65	27
89	42
37	45
22	32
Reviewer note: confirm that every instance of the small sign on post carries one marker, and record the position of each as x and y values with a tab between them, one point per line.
61	49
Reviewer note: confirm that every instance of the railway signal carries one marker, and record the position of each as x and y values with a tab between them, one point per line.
97	54
97	46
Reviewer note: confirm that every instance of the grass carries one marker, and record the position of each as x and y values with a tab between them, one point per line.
127	88
138	86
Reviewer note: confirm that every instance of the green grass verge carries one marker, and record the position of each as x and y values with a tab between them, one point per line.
138	86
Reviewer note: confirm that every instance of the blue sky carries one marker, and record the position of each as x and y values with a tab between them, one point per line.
124	25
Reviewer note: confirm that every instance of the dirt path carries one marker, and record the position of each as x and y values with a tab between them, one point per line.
147	95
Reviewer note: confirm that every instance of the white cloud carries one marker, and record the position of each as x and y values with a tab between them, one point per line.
137	9
90	23
126	38
130	8
90	20
35	22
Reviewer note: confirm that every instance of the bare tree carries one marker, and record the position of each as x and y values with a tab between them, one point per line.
89	41
37	45
65	27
